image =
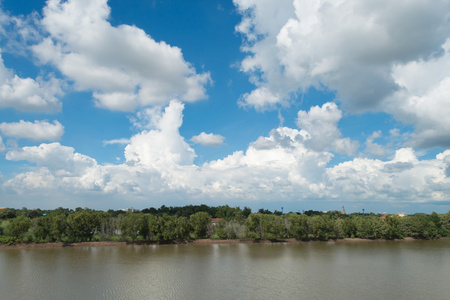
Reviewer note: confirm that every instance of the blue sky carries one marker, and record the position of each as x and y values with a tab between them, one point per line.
295	104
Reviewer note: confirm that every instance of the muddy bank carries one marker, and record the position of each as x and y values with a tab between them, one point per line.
107	244
195	242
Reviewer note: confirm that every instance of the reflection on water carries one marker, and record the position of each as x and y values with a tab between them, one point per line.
316	270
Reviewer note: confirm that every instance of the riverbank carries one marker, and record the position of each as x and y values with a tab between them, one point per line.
196	242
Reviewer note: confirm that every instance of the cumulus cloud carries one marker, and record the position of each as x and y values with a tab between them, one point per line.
208	139
123	66
2	146
374	148
404	179
321	131
287	164
55	157
349	46
37	131
423	99
279	163
27	94
445	157
276	166
163	145
385	56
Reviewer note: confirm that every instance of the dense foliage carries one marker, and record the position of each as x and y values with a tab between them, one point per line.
195	222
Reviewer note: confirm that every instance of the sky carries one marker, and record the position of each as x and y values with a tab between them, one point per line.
290	104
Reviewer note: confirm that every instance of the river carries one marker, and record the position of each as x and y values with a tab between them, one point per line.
312	270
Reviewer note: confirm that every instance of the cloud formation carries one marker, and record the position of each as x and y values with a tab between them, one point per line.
54	157
322	133
37	131
162	145
122	141
282	165
2	146
208	139
374	148
376	56
390	57
123	66
27	94
423	99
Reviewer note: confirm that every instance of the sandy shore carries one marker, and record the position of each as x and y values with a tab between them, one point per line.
195	242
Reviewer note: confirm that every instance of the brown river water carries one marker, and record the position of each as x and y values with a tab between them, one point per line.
312	270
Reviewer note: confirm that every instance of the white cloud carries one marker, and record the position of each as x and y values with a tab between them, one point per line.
445	157
27	94
279	164
404	179
390	56
282	165
322	133
37	131
374	148
163	145
41	179
123	66
424	99
261	99
2	146
122	141
55	157
349	46
208	139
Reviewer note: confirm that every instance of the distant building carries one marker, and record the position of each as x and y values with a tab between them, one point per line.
343	210
401	214
216	221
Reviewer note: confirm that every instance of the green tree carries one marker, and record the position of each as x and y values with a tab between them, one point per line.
392	230
297	226
349	228
200	223
364	228
254	226
7	213
59	227
108	225
228	213
321	227
154	228
445	223
379	228
42	228
19	226
246	211
418	226
230	230
134	225
273	226
168	227
183	228
82	225
436	219
338	228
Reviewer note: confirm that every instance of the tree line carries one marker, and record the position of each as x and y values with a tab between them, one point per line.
196	222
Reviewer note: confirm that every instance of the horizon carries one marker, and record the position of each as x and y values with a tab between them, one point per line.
249	103
282	211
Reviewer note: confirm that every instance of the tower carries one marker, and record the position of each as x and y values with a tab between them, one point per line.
343	210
